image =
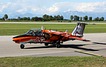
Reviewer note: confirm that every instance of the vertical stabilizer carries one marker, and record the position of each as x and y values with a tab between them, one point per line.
79	29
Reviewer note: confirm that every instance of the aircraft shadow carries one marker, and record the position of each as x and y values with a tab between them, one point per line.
99	43
78	47
75	46
38	47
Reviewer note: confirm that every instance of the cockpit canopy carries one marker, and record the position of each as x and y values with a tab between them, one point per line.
34	32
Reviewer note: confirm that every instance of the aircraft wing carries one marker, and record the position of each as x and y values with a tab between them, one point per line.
78	38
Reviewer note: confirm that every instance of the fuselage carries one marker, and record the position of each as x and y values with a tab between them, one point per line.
50	36
45	36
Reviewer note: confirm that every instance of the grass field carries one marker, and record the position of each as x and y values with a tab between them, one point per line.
53	62
15	29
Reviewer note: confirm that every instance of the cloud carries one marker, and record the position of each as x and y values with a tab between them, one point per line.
82	7
91	7
52	9
21	10
27	6
4	6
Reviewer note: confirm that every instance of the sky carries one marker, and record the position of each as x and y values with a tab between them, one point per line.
51	6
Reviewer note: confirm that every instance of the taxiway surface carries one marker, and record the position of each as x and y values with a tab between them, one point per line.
70	48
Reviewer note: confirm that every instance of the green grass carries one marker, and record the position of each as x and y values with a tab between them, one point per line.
53	62
98	28
15	29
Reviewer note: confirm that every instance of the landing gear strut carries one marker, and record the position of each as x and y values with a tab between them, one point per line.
58	44
22	46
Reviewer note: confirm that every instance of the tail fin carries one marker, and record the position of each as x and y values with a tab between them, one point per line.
79	29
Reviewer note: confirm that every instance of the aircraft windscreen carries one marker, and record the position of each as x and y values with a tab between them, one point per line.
30	32
35	32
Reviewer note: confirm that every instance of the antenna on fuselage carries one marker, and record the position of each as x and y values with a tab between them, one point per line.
42	27
66	31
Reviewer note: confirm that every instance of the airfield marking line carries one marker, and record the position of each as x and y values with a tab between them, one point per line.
89	53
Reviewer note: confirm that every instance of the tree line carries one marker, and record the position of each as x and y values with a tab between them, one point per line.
46	17
85	18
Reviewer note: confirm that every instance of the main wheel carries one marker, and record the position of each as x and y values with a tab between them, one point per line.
54	45
46	44
58	45
22	46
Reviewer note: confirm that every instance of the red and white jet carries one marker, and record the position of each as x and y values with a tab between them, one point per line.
50	36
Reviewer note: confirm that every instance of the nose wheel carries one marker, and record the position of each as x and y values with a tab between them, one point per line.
22	46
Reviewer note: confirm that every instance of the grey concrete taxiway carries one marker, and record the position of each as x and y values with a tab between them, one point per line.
97	46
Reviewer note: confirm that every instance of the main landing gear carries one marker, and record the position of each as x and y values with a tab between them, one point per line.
46	44
56	44
22	46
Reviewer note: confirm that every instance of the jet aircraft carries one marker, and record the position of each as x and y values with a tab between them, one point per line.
50	36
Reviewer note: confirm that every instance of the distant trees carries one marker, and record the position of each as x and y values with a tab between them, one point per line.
102	19
59	18
74	18
25	18
37	19
96	19
71	17
85	18
51	18
99	19
90	18
5	17
80	18
45	17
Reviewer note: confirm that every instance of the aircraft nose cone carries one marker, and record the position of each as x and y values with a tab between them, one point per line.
15	40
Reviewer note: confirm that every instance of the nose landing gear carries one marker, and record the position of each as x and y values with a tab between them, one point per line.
22	46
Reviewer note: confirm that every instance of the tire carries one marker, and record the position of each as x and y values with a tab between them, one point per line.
58	45
46	44
54	45
22	46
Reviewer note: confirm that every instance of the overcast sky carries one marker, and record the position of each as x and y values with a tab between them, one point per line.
51	6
